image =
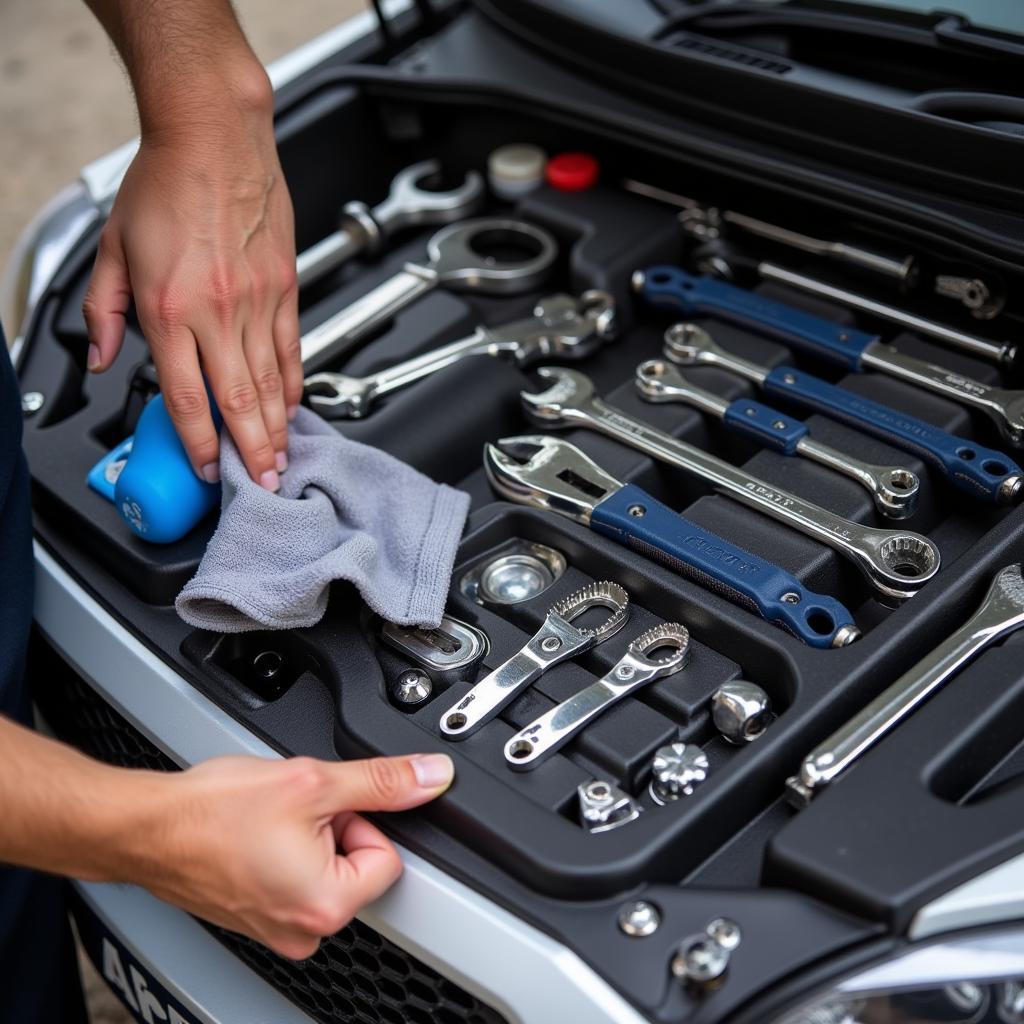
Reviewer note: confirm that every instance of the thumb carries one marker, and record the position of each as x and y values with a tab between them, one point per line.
106	303
387	783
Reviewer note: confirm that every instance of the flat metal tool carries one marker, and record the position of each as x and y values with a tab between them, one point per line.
556	641
893	489
984	473
897	563
1000	613
641	664
472	255
561	326
549	473
408	204
854	350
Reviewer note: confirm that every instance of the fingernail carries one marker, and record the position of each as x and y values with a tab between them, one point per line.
211	472
282	461
270	481
432	771
292	411
93	359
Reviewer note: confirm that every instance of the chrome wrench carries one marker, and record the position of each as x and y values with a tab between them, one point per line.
982	472
637	667
408	204
893	489
897	563
1000	613
457	259
561	326
556	641
854	350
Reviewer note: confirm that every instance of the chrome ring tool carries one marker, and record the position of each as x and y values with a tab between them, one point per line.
1000	613
603	806
408	204
984	473
897	563
556	641
549	473
640	665
561	326
456	258
893	489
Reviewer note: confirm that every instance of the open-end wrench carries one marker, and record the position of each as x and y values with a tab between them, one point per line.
982	472
897	563
854	350
408	204
561	326
641	664
1000	613
457	258
549	473
556	641
893	489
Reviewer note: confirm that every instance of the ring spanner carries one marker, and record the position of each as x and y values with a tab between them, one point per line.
457	258
561	326
408	204
1000	613
854	350
549	473
637	667
897	563
556	641
982	472
893	489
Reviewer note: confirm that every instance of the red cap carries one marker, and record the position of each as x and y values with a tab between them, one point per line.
572	172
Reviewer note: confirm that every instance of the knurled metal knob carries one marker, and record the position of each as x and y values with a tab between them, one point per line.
676	771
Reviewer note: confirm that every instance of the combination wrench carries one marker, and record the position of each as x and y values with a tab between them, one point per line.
641	664
457	258
982	472
896	563
1000	613
893	489
408	204
851	349
556	641
561	326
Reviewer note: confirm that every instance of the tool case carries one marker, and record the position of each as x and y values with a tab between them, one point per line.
902	135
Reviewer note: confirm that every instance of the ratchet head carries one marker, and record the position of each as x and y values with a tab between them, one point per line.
546	472
562	326
566	401
410	202
595	595
672	639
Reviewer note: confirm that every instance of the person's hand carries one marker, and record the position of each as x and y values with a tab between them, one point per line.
201	236
273	849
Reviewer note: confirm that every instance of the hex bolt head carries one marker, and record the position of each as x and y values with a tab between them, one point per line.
413	687
32	402
676	771
639	919
700	960
741	711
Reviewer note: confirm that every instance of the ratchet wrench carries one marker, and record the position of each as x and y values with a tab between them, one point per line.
549	473
457	258
982	472
408	204
897	563
561	326
1000	613
893	489
641	664
556	641
854	350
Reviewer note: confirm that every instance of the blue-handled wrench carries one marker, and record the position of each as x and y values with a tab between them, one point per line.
548	473
857	351
982	472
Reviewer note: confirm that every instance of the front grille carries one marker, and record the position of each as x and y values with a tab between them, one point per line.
356	976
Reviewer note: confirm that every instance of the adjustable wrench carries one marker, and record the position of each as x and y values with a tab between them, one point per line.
1000	613
408	204
854	350
893	489
637	667
457	259
549	473
561	326
556	641
896	563
982	472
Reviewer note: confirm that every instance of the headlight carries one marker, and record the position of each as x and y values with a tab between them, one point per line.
975	978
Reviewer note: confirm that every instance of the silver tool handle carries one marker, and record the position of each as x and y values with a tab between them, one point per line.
330	252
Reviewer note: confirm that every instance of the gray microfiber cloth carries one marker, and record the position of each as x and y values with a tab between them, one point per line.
345	511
